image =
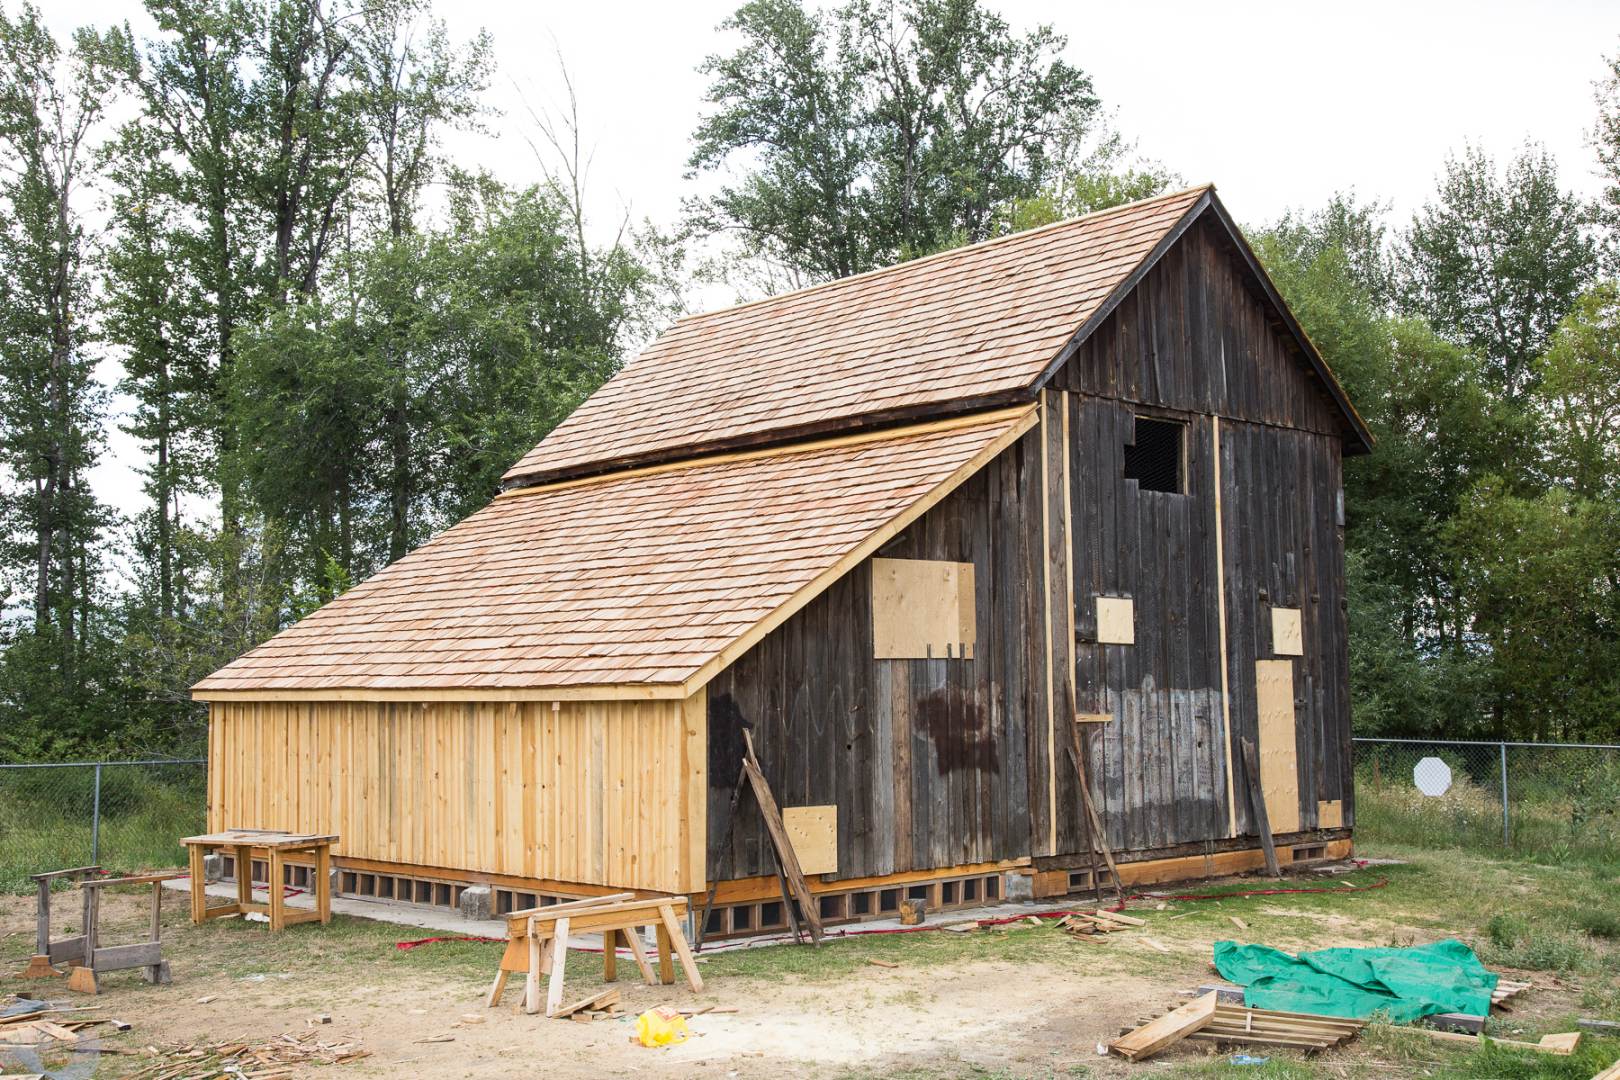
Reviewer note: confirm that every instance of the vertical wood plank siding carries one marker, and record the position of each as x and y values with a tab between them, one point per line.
601	793
938	762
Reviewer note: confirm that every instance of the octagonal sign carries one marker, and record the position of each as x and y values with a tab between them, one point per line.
1432	777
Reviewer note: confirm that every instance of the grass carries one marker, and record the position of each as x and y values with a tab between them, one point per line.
1564	805
1526	917
45	818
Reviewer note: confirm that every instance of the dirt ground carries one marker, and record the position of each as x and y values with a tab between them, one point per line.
1019	1002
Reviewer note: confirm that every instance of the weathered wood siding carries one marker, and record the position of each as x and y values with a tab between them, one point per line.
1195	342
931	763
1285	548
1158	768
600	793
935	763
1195	335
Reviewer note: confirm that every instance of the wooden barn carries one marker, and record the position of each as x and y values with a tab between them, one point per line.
914	530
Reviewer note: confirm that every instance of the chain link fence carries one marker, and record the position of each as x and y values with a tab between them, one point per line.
1558	802
123	815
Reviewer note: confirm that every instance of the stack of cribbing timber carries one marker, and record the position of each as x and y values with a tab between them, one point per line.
1506	990
280	1058
1208	1019
1302	1031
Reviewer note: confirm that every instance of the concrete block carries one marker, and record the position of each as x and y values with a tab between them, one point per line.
1015	886
477	902
213	867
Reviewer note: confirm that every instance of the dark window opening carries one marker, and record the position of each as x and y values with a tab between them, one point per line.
1154	459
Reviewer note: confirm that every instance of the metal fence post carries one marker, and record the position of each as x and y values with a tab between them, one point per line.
1506	840
95	821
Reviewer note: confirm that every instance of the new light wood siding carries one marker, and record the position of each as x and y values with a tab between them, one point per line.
599	793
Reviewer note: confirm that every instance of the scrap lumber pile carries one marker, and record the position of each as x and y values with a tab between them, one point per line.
40	1022
1086	924
280	1058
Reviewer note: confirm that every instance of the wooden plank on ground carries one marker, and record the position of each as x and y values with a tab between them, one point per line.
1563	1043
1168	1029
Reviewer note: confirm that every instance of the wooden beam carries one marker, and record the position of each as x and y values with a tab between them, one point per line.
786	858
1563	1044
1257	807
1168	1029
1220	608
1099	839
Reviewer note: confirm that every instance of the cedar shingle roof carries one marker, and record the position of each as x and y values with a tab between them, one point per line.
641	577
972	325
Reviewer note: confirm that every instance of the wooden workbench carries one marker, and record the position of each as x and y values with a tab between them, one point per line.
277	845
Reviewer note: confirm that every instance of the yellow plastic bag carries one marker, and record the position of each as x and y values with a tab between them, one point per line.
661	1027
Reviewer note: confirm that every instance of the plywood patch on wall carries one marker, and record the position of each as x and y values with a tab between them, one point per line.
1279	765
1286	637
1330	814
1116	620
922	609
813	832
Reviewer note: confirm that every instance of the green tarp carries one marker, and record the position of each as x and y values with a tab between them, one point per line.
1404	983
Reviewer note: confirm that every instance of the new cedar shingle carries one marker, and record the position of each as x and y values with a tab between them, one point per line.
966	324
640	577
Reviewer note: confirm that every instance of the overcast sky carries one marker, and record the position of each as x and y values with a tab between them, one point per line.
1280	105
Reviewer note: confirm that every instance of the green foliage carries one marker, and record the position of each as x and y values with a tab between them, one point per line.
1504	931
883	129
1494	262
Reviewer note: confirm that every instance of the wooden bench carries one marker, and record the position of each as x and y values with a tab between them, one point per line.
277	845
537	944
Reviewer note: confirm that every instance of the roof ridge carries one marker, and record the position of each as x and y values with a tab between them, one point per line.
938	256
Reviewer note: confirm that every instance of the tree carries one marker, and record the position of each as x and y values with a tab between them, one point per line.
1539	574
1414	668
1605	140
883	130
50	404
155	310
1493	262
1107	174
1578	390
191	84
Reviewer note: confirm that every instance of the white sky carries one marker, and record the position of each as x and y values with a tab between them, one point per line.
1280	104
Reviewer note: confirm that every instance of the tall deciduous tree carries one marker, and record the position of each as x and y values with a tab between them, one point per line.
1495	260
51	407
883	130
